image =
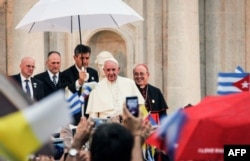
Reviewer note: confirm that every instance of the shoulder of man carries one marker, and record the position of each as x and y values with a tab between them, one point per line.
36	81
91	69
125	79
40	75
69	70
14	75
150	86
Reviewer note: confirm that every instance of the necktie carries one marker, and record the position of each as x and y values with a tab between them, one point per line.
54	79
27	87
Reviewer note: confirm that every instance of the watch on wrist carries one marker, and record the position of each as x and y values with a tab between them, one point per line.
73	152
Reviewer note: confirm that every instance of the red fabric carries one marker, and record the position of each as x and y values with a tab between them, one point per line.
153	119
156	141
214	122
156	117
243	84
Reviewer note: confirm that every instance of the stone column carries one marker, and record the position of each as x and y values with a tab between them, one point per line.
225	46
3	28
247	21
21	43
154	43
183	54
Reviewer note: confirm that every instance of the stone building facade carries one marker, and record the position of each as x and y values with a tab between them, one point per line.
185	43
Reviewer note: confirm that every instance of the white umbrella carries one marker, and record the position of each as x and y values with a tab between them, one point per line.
72	15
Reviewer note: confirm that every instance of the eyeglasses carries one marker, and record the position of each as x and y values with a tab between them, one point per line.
30	66
140	74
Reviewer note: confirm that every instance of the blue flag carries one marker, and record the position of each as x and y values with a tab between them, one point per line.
170	129
238	69
77	102
229	83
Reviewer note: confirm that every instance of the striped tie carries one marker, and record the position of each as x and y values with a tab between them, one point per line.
54	79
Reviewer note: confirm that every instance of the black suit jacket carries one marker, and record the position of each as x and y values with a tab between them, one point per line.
155	100
48	85
69	77
37	86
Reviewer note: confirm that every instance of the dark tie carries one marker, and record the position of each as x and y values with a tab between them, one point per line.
27	87
54	79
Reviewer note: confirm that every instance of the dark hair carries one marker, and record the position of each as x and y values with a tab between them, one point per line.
82	49
111	142
51	52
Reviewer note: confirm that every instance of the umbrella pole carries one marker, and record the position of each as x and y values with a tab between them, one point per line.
79	25
80	34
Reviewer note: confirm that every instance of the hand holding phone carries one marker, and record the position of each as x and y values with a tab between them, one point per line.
132	105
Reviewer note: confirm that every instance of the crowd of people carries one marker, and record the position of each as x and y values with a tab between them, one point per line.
119	139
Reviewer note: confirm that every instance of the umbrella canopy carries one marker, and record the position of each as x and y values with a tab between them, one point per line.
214	122
76	15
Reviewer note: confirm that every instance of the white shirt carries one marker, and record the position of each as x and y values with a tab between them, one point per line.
51	76
24	85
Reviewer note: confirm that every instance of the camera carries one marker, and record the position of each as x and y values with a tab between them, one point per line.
132	105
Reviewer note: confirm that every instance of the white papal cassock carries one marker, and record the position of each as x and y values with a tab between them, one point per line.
107	99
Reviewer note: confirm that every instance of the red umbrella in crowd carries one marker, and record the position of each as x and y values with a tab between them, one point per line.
201	131
216	121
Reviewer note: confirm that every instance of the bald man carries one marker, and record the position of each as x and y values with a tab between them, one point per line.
31	86
155	102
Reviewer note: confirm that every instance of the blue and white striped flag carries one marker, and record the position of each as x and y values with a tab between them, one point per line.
170	129
238	69
74	101
77	102
229	83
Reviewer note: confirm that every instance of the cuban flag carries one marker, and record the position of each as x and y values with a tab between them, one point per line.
166	137
239	69
74	101
229	83
77	102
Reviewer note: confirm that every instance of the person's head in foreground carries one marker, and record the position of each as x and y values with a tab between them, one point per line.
111	142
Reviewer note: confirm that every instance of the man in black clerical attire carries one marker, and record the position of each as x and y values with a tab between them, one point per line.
154	102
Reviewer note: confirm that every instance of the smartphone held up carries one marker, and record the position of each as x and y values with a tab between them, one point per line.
132	105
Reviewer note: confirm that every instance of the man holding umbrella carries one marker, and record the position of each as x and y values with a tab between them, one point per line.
75	76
